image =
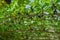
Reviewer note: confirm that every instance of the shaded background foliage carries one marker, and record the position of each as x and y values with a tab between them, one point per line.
30	20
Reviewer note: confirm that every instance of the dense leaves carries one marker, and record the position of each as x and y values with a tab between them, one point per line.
29	20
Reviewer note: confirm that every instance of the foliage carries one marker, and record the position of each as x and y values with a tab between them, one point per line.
28	19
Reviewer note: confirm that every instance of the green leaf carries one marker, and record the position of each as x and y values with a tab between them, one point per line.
46	1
